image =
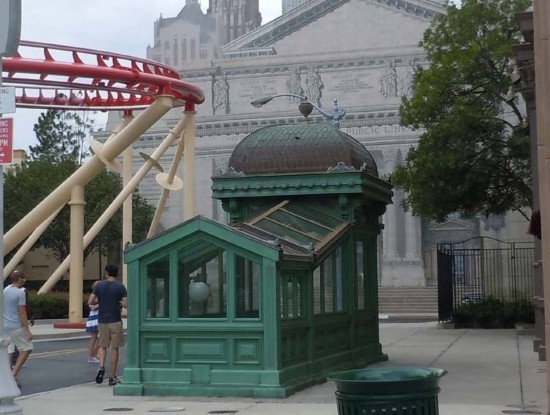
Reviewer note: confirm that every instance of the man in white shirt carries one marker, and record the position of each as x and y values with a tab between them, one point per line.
16	323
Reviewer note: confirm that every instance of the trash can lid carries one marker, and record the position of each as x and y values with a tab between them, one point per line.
387	380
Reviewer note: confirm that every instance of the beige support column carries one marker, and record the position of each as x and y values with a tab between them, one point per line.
189	203
117	202
168	181
541	17
128	160
76	275
112	149
29	243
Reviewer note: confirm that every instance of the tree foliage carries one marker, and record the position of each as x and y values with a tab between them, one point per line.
55	158
473	155
60	135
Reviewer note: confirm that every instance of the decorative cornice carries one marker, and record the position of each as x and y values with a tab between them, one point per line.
360	119
284	68
249	53
409	7
308	184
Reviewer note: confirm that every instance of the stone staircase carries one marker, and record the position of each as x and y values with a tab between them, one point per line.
413	302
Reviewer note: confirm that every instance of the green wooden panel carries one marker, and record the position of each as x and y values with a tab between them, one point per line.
234	377
166	376
157	349
200	374
204	350
247	351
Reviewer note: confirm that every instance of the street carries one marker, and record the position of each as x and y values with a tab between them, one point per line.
56	364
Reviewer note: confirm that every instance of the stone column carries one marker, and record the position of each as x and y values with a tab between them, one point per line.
411	237
389	235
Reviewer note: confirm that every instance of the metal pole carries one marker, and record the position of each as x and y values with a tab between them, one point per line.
10	32
189	164
167	181
127	228
8	388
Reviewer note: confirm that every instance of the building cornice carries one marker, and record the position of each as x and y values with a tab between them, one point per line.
270	68
336	183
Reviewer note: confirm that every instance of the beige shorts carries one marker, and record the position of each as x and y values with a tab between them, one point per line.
111	335
20	339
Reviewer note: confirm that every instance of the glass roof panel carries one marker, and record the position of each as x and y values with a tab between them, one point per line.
306	211
307	227
300	224
284	232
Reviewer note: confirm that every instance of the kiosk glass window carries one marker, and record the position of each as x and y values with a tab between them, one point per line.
202	281
292	300
158	288
247	288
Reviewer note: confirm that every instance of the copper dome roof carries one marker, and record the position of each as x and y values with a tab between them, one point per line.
303	148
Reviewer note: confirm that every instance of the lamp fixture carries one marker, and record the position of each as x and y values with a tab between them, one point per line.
305	106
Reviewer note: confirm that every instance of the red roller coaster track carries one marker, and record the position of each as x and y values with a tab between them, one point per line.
67	77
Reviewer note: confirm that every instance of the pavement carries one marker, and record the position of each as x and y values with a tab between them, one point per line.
490	372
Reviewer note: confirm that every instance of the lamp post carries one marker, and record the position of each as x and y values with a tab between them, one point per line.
334	116
10	32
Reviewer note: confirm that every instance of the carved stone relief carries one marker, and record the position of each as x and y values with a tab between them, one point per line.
294	84
314	86
406	82
220	93
388	81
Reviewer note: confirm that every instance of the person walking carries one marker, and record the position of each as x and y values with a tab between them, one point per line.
111	296
16	322
92	328
30	317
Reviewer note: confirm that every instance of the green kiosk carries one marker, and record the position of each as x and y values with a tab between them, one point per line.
283	295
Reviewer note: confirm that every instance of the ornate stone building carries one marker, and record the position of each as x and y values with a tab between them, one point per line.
288	5
193	37
362	53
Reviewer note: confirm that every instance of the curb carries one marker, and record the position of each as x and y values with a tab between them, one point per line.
59	336
63	335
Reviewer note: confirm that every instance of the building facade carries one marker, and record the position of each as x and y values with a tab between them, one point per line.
360	53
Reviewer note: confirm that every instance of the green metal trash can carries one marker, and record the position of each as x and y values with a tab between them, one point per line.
388	391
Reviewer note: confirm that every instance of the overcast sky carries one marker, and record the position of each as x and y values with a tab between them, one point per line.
120	26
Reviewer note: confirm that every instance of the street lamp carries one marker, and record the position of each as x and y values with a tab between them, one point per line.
334	116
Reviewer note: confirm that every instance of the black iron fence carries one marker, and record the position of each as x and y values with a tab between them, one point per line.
482	267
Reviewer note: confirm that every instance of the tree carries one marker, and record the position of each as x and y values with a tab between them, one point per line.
51	161
60	135
473	155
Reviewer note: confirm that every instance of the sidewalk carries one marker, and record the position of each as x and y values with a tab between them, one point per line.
490	372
